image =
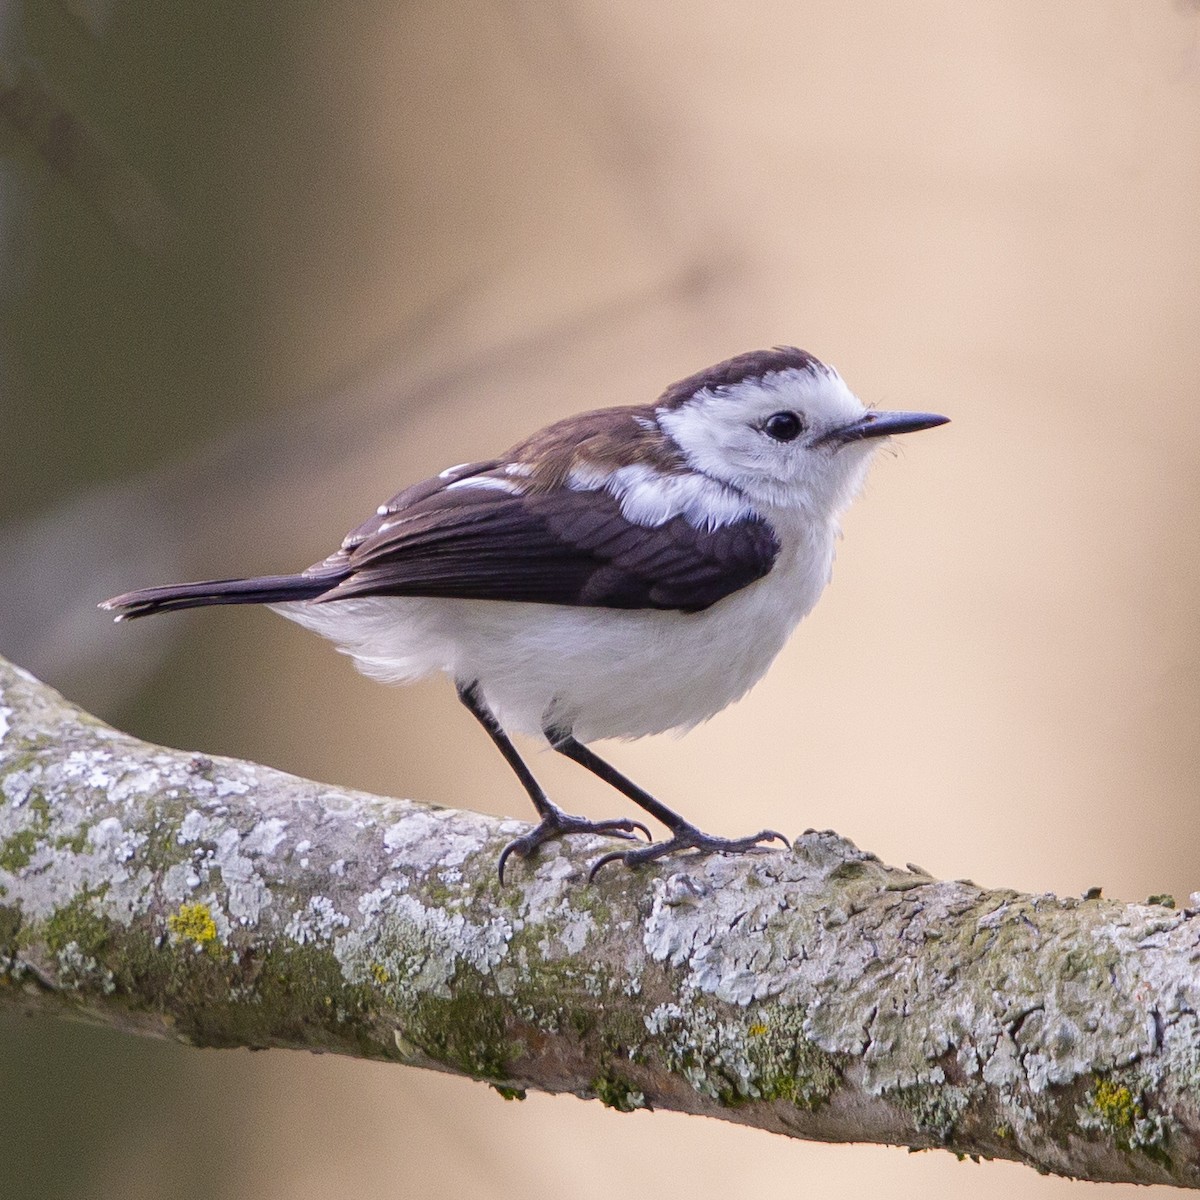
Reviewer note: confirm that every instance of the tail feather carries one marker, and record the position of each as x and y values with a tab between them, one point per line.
268	589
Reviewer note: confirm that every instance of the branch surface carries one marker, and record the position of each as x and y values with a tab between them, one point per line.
816	993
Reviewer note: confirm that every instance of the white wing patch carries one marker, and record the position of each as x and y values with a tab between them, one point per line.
650	498
496	483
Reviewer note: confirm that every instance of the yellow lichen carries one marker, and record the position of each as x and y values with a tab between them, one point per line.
381	973
1116	1104
757	1030
193	923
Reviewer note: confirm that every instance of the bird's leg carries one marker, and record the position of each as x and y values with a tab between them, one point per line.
685	835
554	823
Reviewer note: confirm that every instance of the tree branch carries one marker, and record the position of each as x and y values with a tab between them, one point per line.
816	993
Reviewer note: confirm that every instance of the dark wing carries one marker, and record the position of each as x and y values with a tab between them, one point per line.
485	542
408	499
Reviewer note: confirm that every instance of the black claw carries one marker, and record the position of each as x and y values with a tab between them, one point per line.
503	859
688	837
604	860
558	824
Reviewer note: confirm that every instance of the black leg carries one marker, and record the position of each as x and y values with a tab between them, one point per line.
685	835
554	823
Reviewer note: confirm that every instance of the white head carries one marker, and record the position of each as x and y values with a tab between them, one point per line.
782	428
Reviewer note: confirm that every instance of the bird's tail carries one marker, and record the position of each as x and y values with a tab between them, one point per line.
268	589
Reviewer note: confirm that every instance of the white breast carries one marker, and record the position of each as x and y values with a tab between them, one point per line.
599	672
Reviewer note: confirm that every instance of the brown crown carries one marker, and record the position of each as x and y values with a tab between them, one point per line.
752	365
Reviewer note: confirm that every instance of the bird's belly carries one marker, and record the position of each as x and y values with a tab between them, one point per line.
629	674
600	672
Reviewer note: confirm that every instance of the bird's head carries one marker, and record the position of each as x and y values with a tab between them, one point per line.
781	427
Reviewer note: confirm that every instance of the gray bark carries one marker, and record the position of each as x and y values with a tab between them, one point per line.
815	993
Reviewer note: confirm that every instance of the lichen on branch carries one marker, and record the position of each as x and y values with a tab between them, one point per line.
814	992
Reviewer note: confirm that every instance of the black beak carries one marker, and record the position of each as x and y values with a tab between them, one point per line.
884	424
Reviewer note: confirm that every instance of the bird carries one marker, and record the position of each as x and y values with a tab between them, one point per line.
620	573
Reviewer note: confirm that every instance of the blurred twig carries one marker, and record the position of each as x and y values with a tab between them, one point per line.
815	993
69	146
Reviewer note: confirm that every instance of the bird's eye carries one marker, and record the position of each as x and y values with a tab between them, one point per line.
783	426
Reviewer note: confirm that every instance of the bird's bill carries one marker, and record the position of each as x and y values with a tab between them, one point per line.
884	424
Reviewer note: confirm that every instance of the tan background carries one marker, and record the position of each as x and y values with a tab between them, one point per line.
277	270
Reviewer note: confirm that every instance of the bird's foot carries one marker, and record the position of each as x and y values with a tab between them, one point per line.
688	837
556	824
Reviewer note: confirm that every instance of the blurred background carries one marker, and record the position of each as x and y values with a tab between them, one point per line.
260	268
